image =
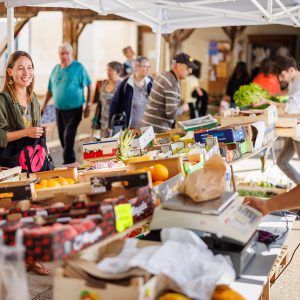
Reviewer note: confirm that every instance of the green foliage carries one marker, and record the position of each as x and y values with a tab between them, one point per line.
248	94
281	99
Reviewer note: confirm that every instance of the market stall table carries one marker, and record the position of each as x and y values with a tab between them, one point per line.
254	278
266	148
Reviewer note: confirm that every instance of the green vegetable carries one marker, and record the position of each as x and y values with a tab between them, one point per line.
259	194
281	99
248	94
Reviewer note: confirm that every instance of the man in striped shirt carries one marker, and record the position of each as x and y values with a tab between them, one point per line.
164	100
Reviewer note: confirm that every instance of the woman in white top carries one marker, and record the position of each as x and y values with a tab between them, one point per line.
287	70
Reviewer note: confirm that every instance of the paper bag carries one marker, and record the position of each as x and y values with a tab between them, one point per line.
207	183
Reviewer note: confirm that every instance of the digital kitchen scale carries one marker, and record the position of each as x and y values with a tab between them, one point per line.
226	225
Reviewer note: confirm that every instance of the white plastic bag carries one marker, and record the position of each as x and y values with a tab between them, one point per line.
13	280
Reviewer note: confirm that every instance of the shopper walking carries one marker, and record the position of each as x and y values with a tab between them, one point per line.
66	85
20	115
128	65
109	87
164	103
287	70
131	96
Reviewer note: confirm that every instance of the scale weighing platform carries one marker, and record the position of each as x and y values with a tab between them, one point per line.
226	225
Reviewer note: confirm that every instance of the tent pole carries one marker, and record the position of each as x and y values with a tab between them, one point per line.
10	30
157	47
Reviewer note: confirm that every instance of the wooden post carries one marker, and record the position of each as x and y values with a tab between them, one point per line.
17	28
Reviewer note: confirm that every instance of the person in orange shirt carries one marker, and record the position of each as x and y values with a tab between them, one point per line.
267	79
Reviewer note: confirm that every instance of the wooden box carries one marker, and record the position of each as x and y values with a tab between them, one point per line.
8	175
173	164
269	115
85	176
61	172
61	193
286	127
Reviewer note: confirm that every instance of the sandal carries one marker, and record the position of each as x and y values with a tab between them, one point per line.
37	268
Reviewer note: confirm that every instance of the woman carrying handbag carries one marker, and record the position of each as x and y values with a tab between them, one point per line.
22	139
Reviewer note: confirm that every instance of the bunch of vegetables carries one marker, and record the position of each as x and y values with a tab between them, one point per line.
248	94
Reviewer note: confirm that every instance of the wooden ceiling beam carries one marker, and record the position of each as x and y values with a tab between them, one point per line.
28	11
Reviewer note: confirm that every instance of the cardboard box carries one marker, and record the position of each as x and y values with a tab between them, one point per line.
226	135
100	150
269	115
132	189
68	284
255	133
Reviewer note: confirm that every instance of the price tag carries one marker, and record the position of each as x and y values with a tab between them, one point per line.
124	217
98	184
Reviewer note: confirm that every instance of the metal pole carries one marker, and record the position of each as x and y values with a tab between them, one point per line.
10	31
157	47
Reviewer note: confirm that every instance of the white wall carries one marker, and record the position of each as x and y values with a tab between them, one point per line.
102	42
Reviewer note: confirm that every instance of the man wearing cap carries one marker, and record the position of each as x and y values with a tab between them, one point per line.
164	100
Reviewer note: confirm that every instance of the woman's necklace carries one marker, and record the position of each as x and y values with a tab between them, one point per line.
24	103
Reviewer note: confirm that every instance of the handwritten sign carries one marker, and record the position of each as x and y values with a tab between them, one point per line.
124	217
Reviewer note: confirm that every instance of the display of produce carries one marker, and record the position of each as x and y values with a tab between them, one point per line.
53	182
249	94
125	139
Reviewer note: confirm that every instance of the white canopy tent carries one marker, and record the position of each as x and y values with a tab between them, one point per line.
166	16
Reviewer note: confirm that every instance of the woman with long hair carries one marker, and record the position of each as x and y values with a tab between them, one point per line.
240	76
19	108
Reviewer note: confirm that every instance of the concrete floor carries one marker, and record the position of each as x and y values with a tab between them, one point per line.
286	287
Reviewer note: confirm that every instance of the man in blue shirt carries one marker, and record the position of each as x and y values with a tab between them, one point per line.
66	85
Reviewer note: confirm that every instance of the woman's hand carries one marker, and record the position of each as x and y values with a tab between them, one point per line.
258	204
262	101
48	131
34	132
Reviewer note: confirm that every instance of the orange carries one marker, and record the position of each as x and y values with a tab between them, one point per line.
70	180
53	183
44	182
159	172
157	182
38	186
62	181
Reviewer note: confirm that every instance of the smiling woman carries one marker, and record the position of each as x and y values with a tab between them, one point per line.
20	130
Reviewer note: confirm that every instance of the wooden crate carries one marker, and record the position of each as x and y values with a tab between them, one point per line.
268	115
173	164
279	264
62	193
22	190
61	172
246	187
84	176
65	193
12	174
286	127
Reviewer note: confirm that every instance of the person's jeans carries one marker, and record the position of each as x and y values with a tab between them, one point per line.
67	123
290	147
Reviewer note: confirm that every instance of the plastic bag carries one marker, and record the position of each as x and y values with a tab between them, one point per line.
207	183
12	271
